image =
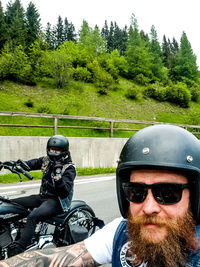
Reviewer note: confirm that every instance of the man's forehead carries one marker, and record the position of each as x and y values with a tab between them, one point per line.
158	174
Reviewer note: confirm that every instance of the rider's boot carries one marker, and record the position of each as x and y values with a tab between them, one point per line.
14	249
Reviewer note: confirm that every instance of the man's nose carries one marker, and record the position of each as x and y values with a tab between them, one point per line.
150	205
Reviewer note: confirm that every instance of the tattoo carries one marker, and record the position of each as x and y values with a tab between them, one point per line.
71	256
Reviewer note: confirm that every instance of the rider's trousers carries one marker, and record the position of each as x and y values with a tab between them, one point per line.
42	208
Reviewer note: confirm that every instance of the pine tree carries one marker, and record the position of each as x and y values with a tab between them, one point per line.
32	24
84	33
92	40
71	35
110	42
59	32
173	58
49	36
98	43
144	36
15	20
117	37
186	63
138	55
66	29
155	49
3	28
105	33
124	40
174	46
166	52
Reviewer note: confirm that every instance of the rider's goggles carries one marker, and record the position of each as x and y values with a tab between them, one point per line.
164	193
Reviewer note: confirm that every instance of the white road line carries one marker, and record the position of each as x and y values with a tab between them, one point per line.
20	186
9	193
78	181
93	180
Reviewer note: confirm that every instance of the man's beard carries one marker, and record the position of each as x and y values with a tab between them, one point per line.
171	249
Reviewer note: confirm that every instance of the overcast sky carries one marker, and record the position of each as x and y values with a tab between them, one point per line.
170	17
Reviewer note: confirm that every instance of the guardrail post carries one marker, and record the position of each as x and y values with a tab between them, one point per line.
111	128
55	125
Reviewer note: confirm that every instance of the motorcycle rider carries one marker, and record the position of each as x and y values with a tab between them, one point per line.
55	192
158	189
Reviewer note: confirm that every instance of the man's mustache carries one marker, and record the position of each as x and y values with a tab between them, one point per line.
156	220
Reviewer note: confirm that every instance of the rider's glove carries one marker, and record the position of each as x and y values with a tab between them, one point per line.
23	164
57	171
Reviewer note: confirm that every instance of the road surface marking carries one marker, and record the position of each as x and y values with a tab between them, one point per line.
78	181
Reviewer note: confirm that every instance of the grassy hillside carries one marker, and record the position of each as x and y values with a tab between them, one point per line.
82	99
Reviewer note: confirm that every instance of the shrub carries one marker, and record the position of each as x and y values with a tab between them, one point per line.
178	94
29	103
58	65
156	91
5	64
100	77
106	61
15	66
132	93
195	93
194	88
81	74
189	82
102	91
44	109
141	79
21	69
119	62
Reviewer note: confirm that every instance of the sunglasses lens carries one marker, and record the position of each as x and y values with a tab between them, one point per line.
164	193
135	193
167	193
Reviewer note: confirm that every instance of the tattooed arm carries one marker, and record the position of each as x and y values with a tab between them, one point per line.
70	256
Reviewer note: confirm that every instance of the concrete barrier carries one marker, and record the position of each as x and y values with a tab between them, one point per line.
85	151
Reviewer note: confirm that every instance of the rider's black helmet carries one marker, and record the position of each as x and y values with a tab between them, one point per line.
161	147
60	142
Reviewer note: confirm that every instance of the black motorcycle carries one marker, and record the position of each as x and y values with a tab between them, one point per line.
70	227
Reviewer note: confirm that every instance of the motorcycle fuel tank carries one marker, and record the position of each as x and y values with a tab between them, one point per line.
10	209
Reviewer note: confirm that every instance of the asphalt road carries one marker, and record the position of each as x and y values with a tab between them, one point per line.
97	191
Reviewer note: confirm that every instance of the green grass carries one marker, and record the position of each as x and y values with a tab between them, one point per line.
14	178
82	99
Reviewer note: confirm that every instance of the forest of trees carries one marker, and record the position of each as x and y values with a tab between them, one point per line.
28	53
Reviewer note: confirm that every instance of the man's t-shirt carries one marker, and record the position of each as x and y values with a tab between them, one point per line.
100	244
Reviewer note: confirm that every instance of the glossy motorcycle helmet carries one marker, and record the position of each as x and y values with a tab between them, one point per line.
60	142
164	147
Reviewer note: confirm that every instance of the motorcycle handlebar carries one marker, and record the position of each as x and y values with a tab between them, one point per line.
17	167
28	175
1	165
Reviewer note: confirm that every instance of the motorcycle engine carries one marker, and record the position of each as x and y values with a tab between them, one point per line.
5	238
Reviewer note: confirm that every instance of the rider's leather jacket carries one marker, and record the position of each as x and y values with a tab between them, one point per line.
49	186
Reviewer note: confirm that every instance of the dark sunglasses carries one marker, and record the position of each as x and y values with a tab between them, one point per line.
164	193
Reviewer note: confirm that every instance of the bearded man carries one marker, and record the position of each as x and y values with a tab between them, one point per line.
158	189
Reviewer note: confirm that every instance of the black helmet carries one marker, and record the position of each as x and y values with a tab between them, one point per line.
60	142
161	147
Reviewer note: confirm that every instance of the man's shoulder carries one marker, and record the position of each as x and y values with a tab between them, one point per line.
100	244
114	224
108	231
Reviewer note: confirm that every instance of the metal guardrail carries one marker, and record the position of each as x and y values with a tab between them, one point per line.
111	128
